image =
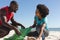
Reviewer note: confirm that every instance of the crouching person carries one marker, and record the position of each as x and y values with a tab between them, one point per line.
40	21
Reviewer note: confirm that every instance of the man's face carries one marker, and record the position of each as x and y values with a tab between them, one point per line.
14	7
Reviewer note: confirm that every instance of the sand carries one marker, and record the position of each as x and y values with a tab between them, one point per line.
53	35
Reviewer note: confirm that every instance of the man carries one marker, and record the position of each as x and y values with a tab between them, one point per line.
6	14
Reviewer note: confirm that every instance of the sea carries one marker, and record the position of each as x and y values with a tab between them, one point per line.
54	29
50	29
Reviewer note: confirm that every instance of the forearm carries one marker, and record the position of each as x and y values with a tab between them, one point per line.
42	29
33	25
12	27
18	24
21	25
41	32
8	25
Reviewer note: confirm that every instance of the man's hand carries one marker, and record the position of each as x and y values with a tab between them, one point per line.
17	31
16	23
21	25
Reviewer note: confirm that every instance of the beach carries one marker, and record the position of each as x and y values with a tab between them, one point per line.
53	35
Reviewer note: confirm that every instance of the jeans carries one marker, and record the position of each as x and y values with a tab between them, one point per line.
43	36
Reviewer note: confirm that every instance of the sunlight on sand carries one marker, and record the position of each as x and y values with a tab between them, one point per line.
53	35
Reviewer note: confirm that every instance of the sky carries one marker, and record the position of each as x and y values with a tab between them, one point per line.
26	12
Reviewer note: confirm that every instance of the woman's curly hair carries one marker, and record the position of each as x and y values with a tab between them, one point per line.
44	11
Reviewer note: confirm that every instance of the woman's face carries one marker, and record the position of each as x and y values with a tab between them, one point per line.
38	13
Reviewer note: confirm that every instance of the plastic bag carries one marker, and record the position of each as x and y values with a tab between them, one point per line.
24	32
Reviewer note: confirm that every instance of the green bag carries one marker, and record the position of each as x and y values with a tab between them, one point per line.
24	32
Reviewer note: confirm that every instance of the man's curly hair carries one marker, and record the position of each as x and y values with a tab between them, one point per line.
44	11
13	2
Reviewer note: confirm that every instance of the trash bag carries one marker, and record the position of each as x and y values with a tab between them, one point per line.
24	32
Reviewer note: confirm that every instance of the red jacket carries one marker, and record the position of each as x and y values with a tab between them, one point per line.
9	15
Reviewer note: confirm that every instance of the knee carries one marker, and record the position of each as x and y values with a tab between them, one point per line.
3	34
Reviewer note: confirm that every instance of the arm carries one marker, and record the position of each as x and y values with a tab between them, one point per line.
16	23
4	22
43	26
34	24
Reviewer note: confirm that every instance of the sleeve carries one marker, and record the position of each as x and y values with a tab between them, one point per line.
35	18
44	20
